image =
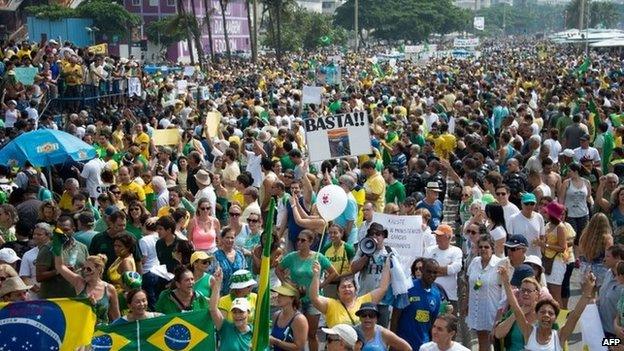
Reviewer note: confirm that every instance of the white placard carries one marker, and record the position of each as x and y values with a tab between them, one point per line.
134	87
312	95
465	42
204	93
479	23
181	86
189	71
338	136
404	235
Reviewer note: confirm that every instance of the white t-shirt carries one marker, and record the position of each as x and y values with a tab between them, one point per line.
452	259
555	148
254	167
498	233
27	266
91	172
147	244
509	211
531	228
432	346
591	153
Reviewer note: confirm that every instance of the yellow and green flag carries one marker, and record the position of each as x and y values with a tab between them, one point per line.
180	331
261	328
55	324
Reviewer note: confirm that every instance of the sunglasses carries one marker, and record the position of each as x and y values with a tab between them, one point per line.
116	192
529	203
513	249
418	269
135	209
235	214
204	261
204	208
249	220
527	291
471	231
368	315
289	176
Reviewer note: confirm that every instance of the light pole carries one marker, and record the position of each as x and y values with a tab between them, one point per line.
587	30
357	25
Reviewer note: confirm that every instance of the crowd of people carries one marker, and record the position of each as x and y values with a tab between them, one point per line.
513	160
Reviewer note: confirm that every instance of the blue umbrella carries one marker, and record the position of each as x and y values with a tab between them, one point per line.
45	147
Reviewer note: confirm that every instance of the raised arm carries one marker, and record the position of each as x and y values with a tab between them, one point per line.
524	325
573	317
600	200
394	341
215	285
74	279
319	302
378	293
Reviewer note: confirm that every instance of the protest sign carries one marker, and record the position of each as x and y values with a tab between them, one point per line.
25	75
465	42
181	86
134	86
212	123
166	136
479	23
312	95
189	71
99	49
404	235
338	136
329	75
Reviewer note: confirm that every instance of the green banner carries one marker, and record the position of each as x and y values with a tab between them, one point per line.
181	331
25	75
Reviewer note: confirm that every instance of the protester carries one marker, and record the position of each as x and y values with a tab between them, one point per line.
372	336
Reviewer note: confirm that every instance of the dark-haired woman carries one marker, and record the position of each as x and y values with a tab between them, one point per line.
340	254
137	303
229	258
290	327
124	246
496	227
181	297
575	193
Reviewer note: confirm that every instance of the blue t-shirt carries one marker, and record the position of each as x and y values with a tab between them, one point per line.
229	268
436	212
417	318
349	214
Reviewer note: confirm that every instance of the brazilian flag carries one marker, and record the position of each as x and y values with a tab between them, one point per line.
54	324
180	331
262	320
582	69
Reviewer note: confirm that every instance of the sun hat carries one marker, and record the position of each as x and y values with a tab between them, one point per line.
199	255
344	331
554	209
286	290
367	307
241	279
13	284
203	177
434	186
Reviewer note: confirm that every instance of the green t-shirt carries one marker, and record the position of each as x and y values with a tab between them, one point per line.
395	192
135	231
232	339
202	285
301	270
287	163
166	303
57	286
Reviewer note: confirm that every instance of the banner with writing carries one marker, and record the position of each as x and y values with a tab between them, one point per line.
312	95
479	23
100	49
465	42
169	136
404	235
338	136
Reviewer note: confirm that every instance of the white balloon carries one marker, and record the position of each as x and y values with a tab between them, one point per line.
331	201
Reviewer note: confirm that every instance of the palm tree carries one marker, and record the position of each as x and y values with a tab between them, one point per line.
197	34
223	4
209	12
184	20
251	27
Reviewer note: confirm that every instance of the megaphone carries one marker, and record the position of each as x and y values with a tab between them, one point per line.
368	245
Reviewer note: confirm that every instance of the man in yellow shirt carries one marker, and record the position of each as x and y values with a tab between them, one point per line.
142	140
126	185
375	186
74	76
72	187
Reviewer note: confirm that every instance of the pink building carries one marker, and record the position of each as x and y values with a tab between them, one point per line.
235	15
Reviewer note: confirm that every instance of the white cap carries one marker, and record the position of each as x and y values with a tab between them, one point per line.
240	303
533	259
344	331
8	255
568	153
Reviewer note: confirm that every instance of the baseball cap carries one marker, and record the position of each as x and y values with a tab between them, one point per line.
444	229
517	240
344	331
521	272
567	153
240	303
8	255
527	198
199	255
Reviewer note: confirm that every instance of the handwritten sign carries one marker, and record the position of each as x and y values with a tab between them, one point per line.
166	136
404	235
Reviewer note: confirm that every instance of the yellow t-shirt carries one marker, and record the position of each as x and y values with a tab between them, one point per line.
360	199
143	140
225	303
337	314
444	145
237	196
133	188
377	185
65	203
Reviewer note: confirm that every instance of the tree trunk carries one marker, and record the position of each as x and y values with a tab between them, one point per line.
209	26
252	32
188	32
279	30
223	4
197	34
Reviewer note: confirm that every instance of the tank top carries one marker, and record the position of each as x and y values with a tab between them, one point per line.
553	344
376	343
204	239
576	201
285	333
101	305
551	239
113	274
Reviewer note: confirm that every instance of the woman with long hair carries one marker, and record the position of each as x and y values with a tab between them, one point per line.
137	307
554	247
290	327
496	227
203	228
576	195
137	215
597	236
234	216
89	283
8	218
542	336
123	245
49	212
181	296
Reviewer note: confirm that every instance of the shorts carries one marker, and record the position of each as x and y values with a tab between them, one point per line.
558	272
308	309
